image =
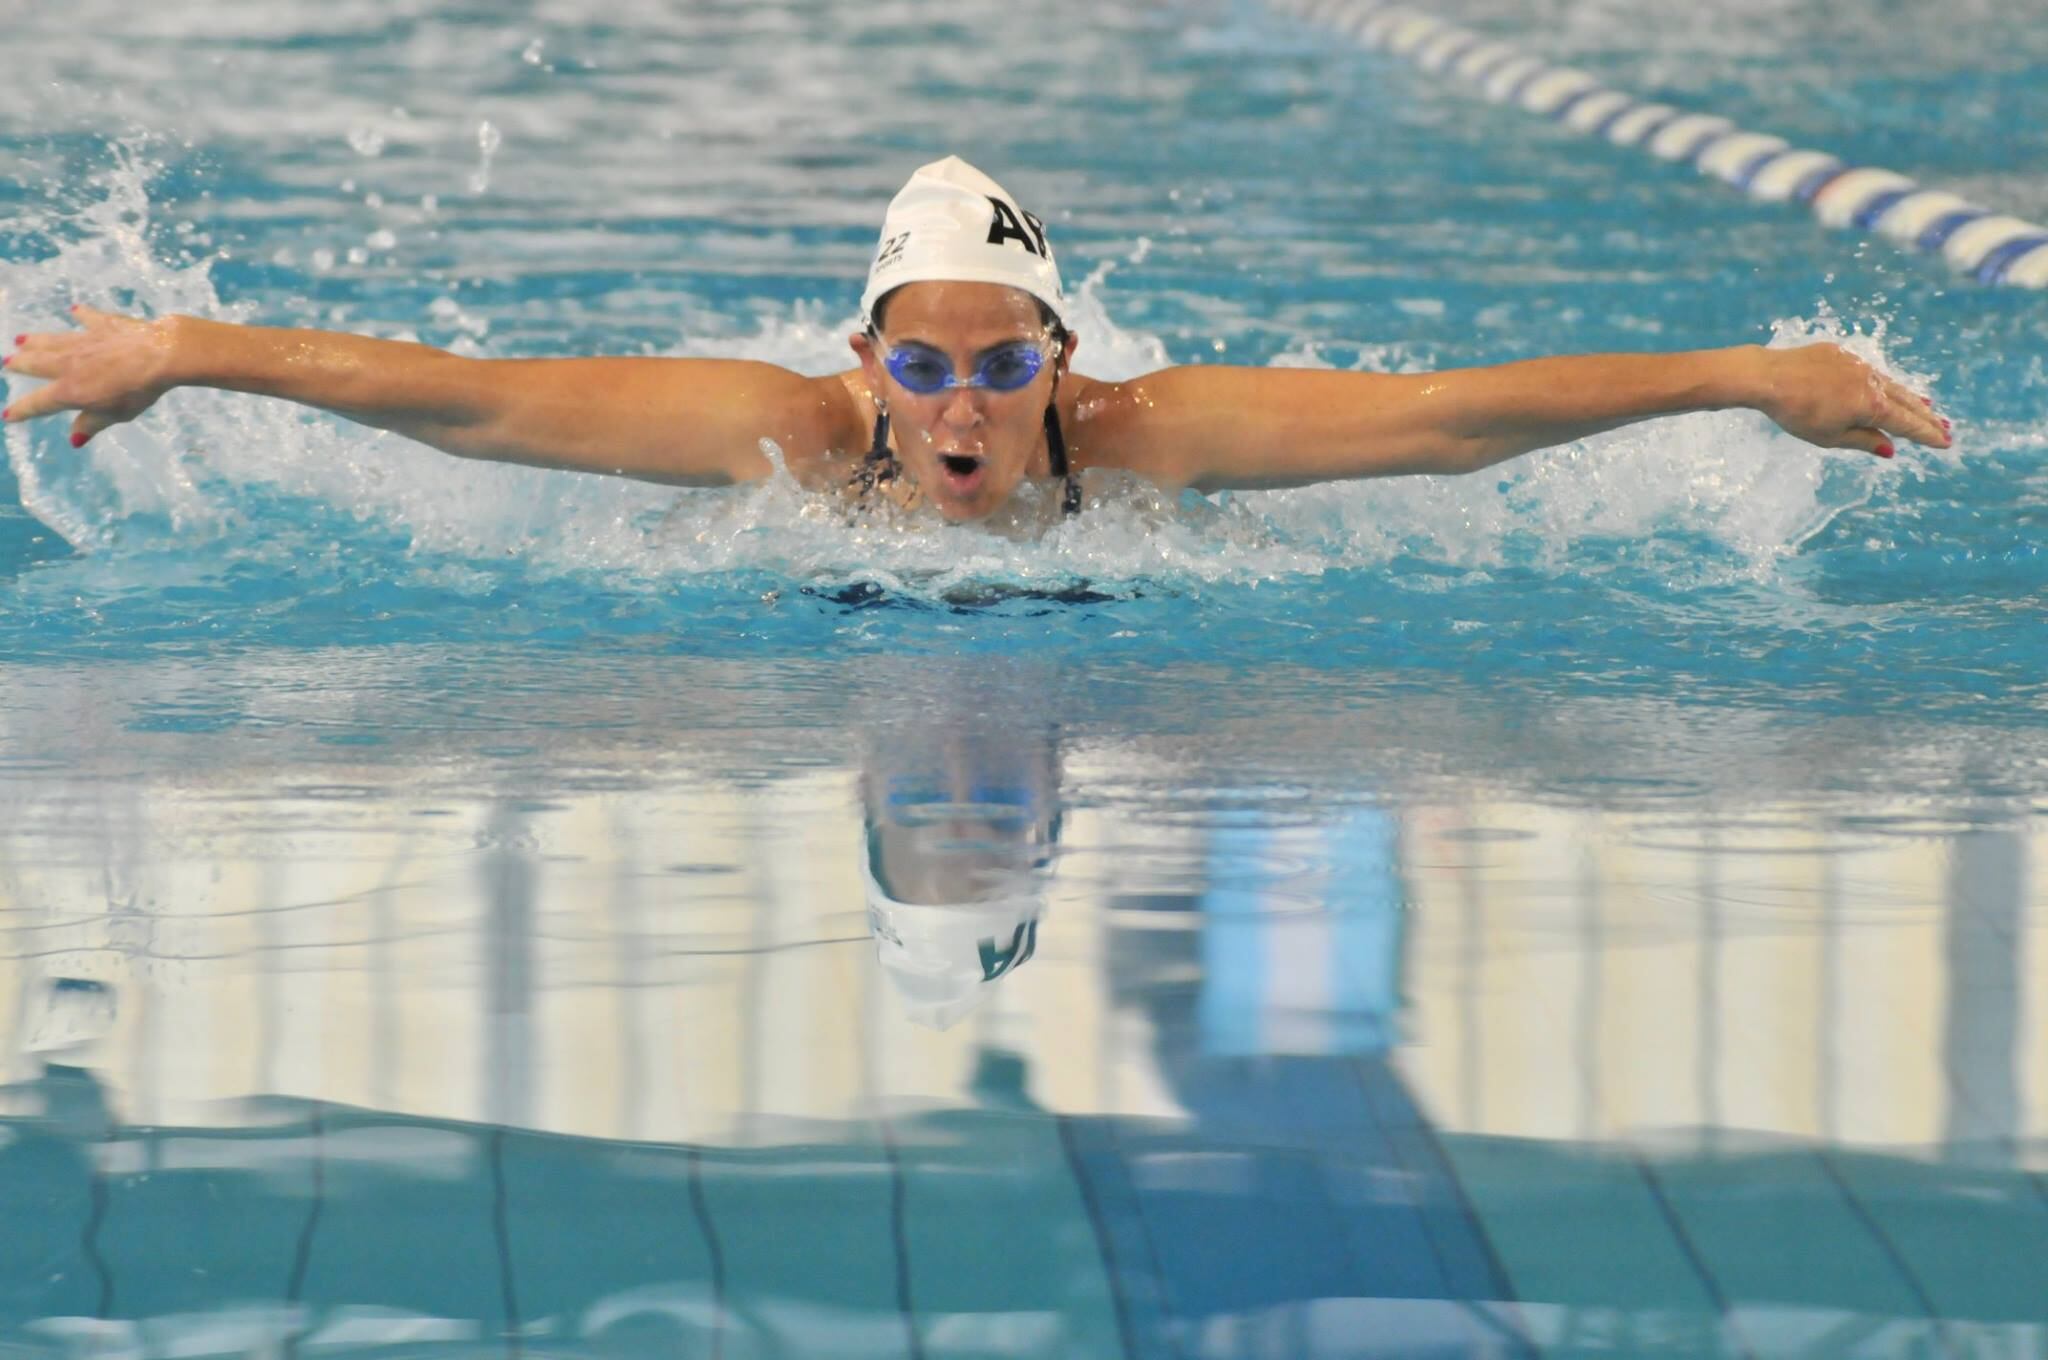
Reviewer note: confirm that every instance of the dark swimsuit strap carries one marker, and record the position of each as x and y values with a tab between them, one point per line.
880	464
1056	453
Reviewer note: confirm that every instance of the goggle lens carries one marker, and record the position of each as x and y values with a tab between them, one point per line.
926	371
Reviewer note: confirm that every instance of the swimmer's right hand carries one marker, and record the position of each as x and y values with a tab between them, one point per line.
111	369
685	422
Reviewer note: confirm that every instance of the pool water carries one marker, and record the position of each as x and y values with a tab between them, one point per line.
1589	907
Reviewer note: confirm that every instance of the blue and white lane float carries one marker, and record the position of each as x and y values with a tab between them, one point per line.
1990	246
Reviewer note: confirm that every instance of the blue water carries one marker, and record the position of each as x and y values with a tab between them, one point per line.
1585	907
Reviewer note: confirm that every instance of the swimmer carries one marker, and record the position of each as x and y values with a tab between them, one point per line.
964	392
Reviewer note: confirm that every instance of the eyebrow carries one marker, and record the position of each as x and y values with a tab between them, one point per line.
977	356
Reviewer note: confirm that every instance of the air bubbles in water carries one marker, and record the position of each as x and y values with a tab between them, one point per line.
488	140
449	312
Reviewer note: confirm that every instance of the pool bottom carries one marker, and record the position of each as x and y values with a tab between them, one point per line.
1308	1019
1360	1231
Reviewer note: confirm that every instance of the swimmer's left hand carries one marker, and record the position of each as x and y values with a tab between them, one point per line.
1827	396
110	370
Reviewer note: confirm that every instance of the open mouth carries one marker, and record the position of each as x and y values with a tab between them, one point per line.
963	472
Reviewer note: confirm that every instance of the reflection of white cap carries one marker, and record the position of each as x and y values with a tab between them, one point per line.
77	1013
953	224
940	958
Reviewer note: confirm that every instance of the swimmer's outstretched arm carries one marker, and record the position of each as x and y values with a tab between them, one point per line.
687	421
1219	428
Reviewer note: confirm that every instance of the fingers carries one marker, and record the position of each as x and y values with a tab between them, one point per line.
32	342
52	356
1868	439
1909	414
46	355
36	354
1893	408
32	360
87	424
42	402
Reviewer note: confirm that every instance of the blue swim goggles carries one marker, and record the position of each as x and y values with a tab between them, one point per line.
1005	368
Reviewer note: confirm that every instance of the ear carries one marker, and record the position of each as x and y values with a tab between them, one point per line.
1067	348
870	361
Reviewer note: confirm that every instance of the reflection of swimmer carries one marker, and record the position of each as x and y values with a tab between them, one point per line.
69	1020
960	829
75	1016
963	392
51	1187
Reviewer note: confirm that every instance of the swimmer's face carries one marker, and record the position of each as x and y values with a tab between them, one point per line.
967	448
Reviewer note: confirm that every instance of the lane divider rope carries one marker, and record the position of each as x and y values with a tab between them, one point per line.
1991	247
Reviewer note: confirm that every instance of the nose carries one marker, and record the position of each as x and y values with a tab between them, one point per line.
963	408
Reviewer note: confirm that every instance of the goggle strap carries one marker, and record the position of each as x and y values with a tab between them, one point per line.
1055	441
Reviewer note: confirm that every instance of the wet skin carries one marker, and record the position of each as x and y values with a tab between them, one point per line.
967	449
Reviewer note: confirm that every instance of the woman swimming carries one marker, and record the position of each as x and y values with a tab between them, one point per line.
964	390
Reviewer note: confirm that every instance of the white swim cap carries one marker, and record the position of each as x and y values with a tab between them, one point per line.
953	224
941	958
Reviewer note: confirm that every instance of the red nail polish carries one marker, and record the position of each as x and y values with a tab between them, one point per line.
1885	451
77	441
5	412
20	340
8	362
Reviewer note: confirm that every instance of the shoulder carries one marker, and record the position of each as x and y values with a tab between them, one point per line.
828	419
1128	425
844	410
850	388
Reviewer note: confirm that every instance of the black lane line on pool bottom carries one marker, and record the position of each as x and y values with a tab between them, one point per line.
96	1216
1095	1222
1693	1256
501	1228
701	1207
899	1235
1516	1329
1889	1247
1169	1319
302	1254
